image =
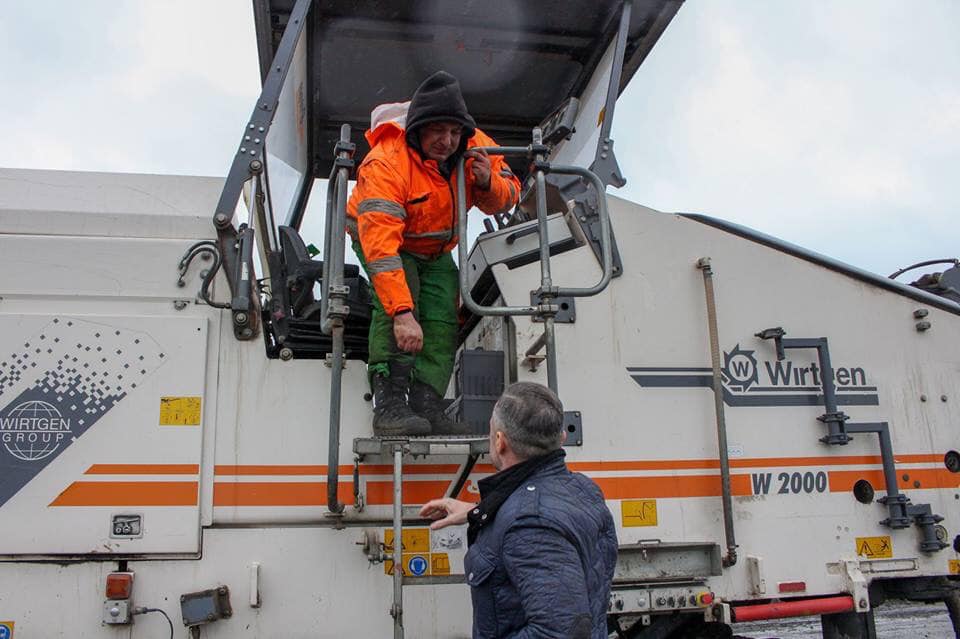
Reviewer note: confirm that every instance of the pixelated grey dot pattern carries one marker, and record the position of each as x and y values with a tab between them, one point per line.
85	363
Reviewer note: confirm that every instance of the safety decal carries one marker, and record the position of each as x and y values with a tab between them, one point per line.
6	630
875	547
440	563
953	565
412	540
417	565
65	377
638	512
180	411
424	551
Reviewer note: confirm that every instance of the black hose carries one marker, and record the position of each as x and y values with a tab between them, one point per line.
207	280
896	274
204	246
193	251
141	611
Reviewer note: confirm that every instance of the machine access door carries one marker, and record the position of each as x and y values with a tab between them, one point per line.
100	433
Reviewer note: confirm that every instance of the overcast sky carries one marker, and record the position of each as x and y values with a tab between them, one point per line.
834	125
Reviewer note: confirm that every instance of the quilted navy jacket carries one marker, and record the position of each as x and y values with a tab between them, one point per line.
543	566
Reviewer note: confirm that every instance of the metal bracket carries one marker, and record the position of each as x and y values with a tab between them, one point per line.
758	585
584	212
573	425
566	309
855	584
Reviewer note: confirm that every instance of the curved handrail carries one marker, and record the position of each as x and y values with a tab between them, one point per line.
605	236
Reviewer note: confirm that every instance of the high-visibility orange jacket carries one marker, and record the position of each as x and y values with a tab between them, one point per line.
402	203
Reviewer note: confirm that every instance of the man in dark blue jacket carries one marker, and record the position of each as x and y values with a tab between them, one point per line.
542	541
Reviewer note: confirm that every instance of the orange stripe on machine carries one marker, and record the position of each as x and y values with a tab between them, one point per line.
129	493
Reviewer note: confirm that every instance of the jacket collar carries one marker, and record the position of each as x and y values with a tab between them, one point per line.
495	490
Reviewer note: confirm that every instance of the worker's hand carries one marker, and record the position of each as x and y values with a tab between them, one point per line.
408	333
480	168
446	512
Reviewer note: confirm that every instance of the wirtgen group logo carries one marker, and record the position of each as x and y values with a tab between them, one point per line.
749	381
33	430
57	383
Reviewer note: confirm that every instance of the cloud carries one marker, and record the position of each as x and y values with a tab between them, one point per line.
127	86
817	122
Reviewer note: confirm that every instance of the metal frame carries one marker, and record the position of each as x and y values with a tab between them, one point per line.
547	293
333	308
249	164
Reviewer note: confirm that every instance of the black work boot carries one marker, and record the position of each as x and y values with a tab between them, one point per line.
427	403
391	415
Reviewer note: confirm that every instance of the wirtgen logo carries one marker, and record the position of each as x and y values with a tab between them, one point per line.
57	383
33	430
749	381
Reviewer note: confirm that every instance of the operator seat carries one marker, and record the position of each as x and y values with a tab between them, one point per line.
294	321
303	272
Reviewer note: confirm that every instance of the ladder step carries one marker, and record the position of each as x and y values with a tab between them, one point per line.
431	445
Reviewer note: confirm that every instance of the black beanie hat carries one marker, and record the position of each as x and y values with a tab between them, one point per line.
438	99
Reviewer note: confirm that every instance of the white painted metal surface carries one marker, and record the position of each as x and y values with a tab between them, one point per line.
257	454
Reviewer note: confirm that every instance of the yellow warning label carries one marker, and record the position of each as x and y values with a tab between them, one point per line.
440	563
179	411
638	512
414	540
6	630
954	565
414	565
875	547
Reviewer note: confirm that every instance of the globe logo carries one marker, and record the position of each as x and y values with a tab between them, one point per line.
33	430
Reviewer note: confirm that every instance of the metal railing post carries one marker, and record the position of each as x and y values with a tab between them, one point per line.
333	309
397	609
546	282
722	446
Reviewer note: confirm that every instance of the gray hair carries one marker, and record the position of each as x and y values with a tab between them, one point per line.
531	416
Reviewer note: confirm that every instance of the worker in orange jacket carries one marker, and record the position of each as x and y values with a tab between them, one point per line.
403	222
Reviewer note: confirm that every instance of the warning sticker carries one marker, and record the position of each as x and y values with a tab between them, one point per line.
638	512
954	566
179	411
440	563
6	630
414	565
875	547
425	551
413	540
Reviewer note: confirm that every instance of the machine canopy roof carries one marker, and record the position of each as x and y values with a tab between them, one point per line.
516	60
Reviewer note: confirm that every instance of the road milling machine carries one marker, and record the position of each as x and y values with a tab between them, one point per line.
185	414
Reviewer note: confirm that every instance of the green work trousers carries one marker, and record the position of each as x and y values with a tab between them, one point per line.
434	287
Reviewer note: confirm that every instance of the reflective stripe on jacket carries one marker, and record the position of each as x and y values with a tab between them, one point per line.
402	203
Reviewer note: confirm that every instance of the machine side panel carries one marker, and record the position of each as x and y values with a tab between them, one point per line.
636	365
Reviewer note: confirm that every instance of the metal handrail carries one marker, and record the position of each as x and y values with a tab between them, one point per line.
334	226
605	234
333	310
547	292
